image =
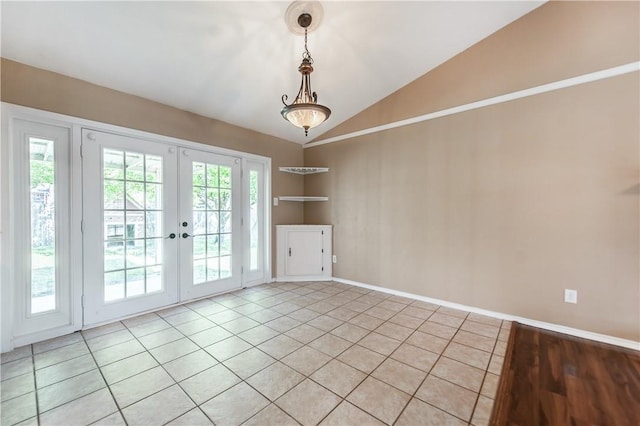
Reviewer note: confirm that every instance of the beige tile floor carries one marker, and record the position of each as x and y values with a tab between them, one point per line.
277	354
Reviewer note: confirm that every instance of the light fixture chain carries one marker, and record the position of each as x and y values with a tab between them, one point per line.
306	54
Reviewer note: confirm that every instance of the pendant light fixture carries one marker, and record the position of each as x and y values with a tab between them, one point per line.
305	111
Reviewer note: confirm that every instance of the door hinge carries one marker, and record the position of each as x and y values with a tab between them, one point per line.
82	226
242	269
322	232
81	150
82	300
323	268
242	221
322	250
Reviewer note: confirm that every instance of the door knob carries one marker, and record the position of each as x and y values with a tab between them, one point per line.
185	235
171	236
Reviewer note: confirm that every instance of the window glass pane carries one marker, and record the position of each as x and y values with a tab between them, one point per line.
43	225
225	177
254	236
213	246
199	198
199	271
154	251
135	282
199	223
134	165
225	244
153	168
213	201
113	194
225	221
213	268
135	253
225	266
113	164
212	175
199	247
135	195
212	222
154	196
198	174
154	278
154	225
113	286
225	199
113	255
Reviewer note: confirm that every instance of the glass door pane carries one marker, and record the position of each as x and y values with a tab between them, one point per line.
254	234
132	208
43	224
211	214
212	219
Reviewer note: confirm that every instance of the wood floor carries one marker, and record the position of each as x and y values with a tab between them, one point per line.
553	379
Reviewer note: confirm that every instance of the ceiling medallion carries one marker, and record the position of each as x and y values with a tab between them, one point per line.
304	111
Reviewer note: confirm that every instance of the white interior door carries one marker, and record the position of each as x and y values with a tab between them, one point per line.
210	223
130	226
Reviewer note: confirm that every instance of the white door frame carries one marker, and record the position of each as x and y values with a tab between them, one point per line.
15	330
9	112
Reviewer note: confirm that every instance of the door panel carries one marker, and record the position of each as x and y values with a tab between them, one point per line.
130	225
305	253
210	223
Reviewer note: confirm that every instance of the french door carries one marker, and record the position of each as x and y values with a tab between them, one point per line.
97	225
210	227
153	236
129	225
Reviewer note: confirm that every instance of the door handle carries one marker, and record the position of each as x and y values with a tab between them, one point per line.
185	235
171	236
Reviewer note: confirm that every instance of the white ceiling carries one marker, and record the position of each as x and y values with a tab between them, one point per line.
234	60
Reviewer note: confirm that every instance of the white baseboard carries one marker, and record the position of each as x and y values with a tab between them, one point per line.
303	278
631	344
41	336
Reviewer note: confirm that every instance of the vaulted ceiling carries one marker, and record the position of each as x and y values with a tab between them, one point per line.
233	60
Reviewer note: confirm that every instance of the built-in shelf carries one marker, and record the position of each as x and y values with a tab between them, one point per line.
304	170
301	198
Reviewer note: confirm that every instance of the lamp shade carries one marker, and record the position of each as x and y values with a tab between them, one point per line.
305	115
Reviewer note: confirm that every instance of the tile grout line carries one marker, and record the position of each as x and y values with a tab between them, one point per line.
429	372
175	382
290	296
35	385
104	380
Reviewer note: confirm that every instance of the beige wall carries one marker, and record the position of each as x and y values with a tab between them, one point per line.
502	207
37	88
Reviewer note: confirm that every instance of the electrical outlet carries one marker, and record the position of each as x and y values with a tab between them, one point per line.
335	259
275	201
570	296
